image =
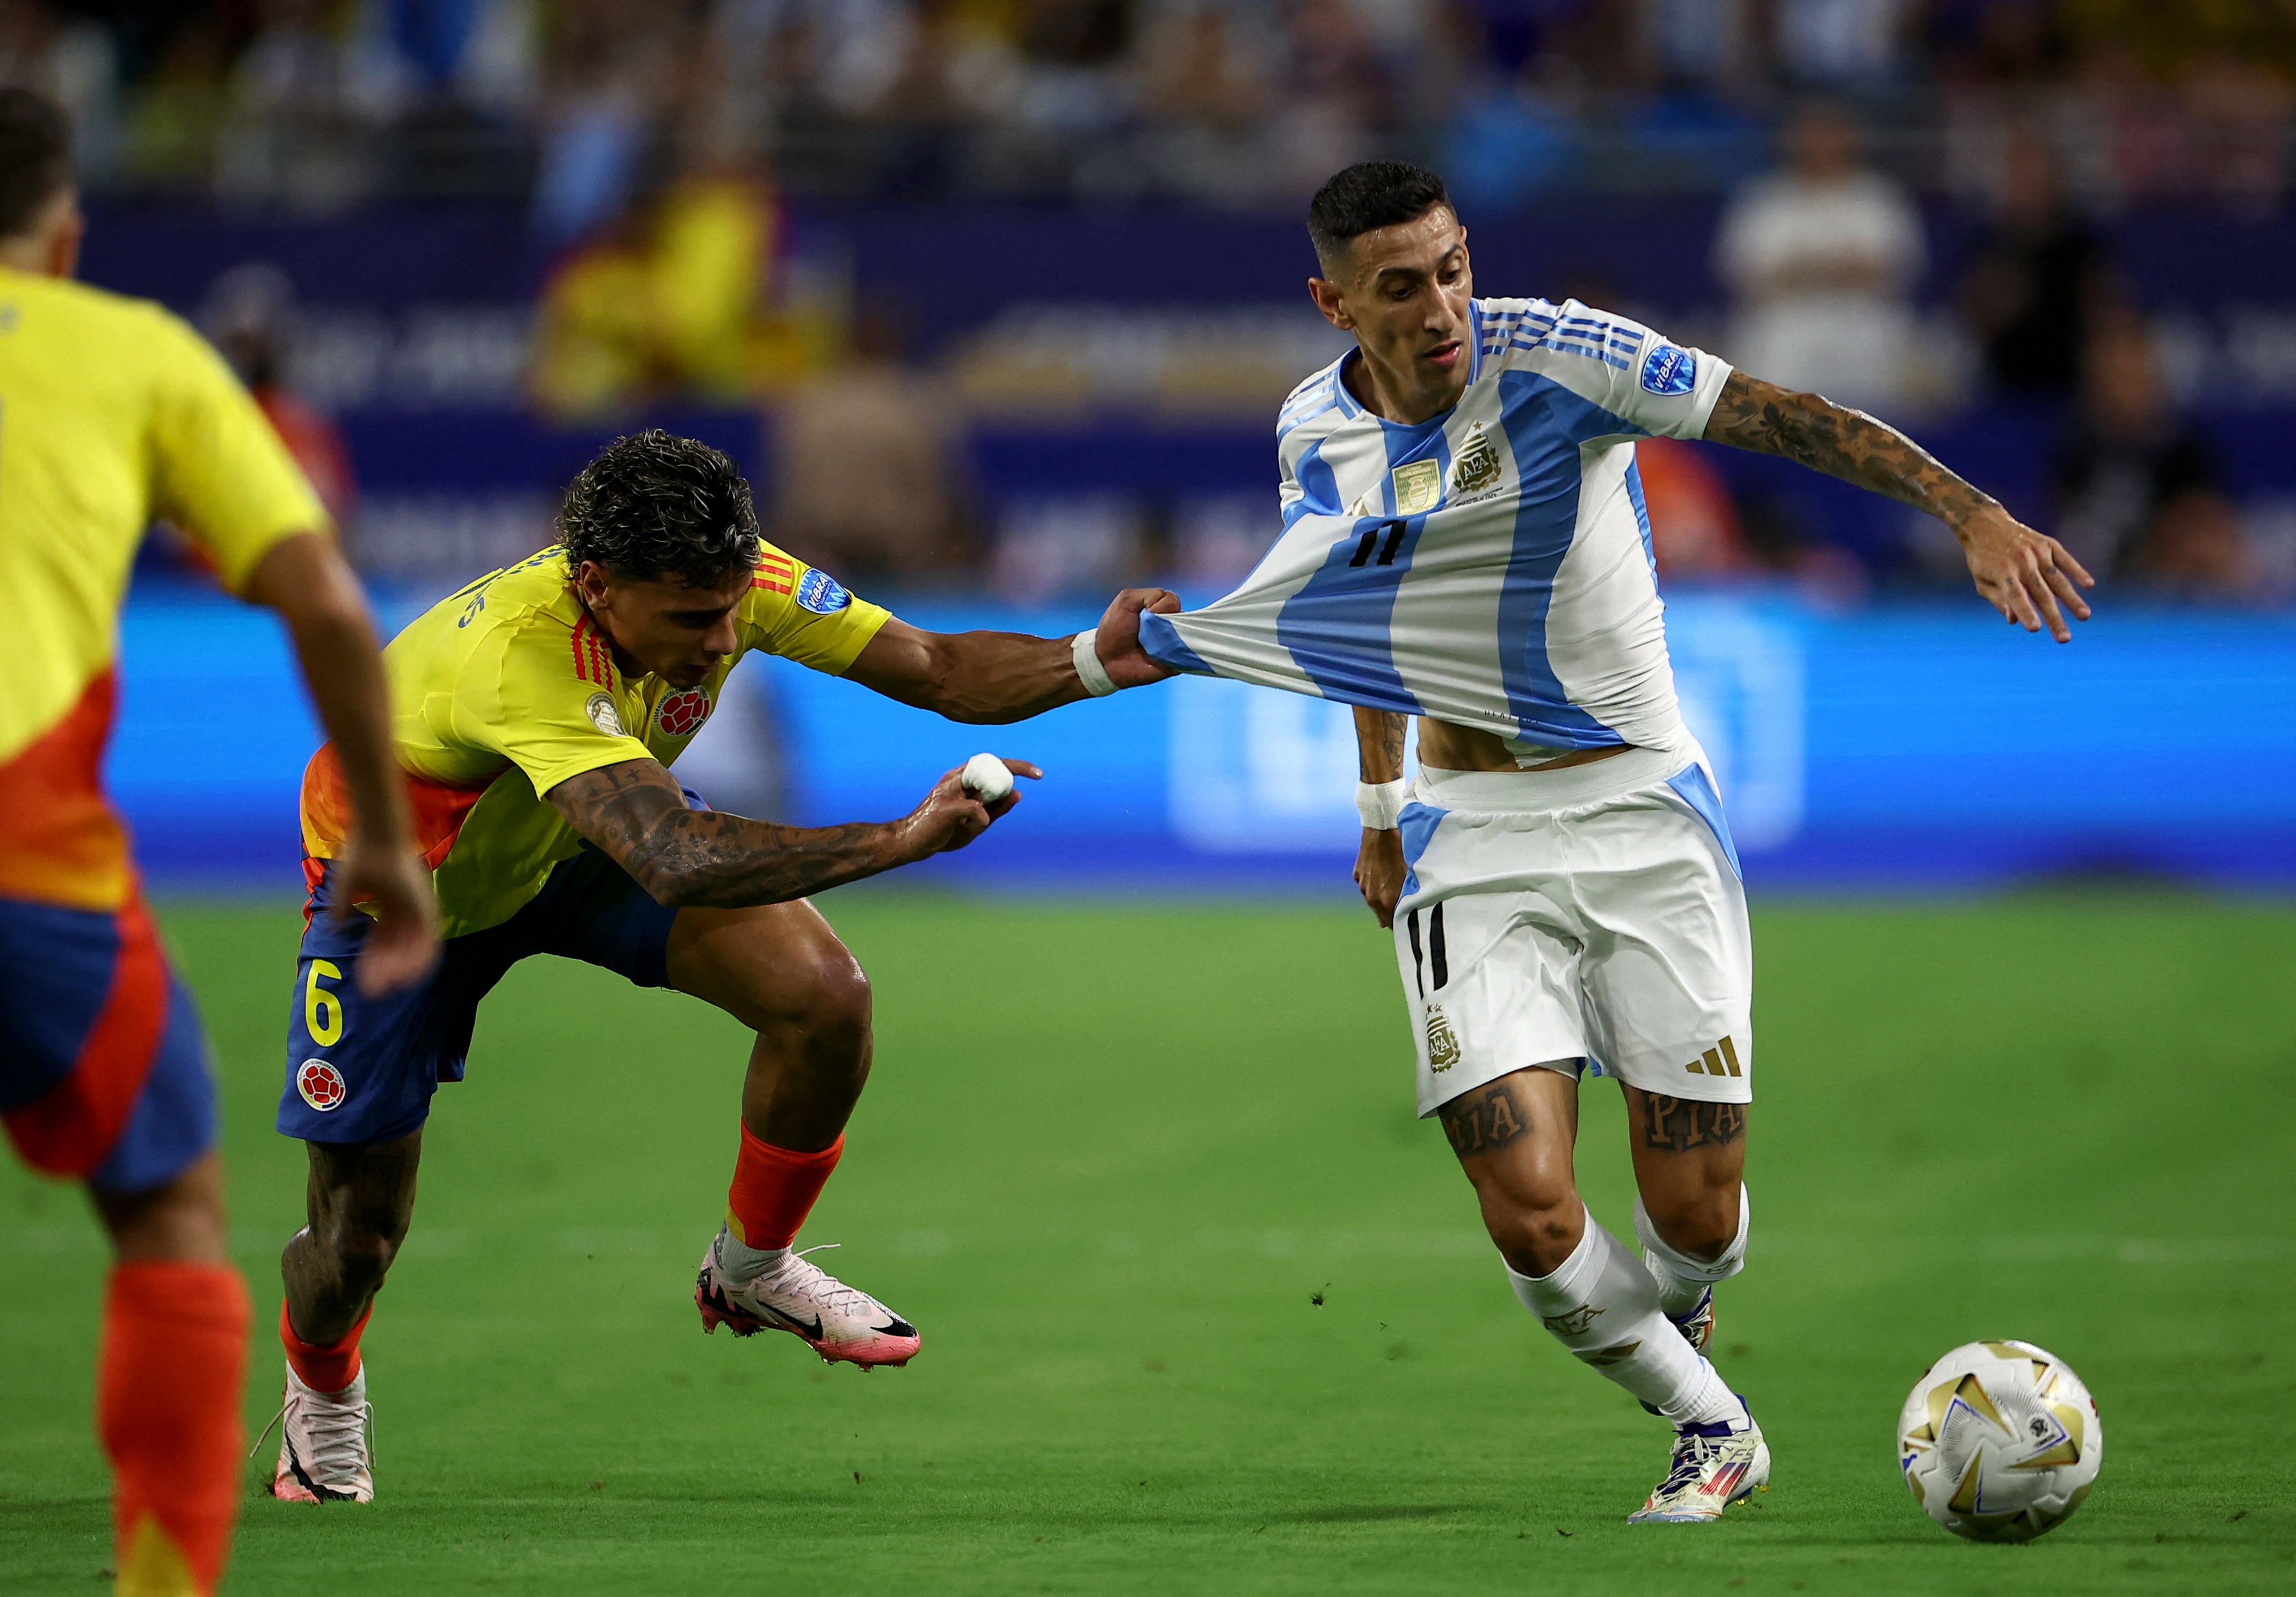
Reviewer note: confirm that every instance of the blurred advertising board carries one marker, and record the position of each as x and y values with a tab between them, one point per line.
1886	748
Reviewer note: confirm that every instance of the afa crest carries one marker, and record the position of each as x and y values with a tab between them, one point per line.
681	714
1477	466
1442	1041
1578	1323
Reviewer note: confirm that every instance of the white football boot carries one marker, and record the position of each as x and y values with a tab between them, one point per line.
1713	1467
836	1320
327	1443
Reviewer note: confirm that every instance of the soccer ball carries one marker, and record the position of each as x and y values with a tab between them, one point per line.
1999	1442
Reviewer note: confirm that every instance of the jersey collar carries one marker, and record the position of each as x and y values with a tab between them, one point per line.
1353	409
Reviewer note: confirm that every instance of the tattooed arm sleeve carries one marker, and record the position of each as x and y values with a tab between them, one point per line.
636	811
2030	577
1844	442
1379	744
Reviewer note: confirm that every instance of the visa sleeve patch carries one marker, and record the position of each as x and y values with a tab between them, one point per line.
821	594
1670	370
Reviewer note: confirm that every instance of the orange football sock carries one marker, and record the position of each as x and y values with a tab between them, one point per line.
169	1369
328	1368
773	1190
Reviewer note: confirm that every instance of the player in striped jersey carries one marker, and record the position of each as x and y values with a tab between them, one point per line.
1466	541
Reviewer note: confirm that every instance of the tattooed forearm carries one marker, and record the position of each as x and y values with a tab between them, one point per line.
1485	1120
1379	744
1682	1124
683	858
1844	442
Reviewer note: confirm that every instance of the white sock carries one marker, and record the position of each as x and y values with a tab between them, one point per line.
741	1264
1603	1305
1682	1278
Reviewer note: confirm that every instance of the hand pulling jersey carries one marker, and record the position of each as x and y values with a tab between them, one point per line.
506	688
1490	567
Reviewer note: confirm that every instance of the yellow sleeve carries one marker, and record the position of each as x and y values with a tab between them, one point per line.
221	471
556	707
804	614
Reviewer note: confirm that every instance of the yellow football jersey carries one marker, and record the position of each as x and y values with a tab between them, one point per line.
503	690
112	412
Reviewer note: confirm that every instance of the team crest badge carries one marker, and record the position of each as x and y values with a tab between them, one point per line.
1578	1323
1477	466
603	715
681	714
1442	1041
821	594
321	1085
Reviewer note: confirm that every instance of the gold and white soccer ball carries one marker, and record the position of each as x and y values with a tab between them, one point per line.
1999	1441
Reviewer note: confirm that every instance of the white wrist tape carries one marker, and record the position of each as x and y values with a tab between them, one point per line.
1379	803
1084	649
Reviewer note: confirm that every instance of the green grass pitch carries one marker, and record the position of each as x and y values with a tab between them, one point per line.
1111	1157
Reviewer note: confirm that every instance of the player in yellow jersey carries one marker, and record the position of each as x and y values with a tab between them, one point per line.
112	412
536	713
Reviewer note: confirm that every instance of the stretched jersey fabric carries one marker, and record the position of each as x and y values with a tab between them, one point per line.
1490	567
503	690
112	412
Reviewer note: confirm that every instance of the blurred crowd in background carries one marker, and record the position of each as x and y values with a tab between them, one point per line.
571	103
655	149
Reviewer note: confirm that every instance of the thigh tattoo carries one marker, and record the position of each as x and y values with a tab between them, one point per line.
1485	1120
1681	1124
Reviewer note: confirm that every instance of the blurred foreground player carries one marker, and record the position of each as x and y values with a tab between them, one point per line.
537	712
112	412
1466	540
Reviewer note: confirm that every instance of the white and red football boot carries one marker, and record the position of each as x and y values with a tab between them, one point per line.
838	1322
327	1443
1713	1466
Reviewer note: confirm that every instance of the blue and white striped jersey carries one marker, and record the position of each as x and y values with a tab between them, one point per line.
1490	567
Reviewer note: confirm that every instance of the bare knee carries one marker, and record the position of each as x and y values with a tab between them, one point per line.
825	1014
1514	1138
360	1251
360	1201
835	1005
182	1219
1534	1231
1700	1224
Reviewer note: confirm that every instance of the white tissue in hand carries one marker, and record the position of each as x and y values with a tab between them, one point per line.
986	778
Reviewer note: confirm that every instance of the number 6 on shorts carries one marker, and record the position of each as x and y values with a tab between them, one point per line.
322	1012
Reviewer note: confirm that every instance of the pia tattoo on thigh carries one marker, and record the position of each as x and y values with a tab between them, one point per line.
1679	1125
1485	1120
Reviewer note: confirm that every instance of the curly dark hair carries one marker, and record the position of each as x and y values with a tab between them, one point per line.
1369	195
654	504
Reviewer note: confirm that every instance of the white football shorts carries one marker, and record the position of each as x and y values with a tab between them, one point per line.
1590	918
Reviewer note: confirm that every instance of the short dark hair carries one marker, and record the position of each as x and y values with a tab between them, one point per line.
1371	195
654	504
36	160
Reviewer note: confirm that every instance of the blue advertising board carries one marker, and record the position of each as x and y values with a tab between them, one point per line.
1881	747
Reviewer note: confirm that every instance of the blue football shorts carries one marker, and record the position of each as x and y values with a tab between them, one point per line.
104	1069
362	1069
